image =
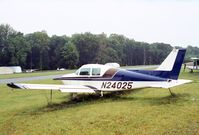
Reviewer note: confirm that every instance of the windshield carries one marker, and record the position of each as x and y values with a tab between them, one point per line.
77	72
85	71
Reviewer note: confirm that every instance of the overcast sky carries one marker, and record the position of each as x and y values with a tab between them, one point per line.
170	21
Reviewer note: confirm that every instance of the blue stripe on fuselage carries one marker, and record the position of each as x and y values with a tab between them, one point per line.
125	75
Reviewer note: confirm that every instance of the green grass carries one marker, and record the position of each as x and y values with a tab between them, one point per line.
149	111
39	73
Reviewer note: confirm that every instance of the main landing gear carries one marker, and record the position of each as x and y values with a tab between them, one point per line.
49	100
172	94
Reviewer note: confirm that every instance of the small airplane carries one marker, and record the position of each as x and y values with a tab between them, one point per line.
193	65
98	78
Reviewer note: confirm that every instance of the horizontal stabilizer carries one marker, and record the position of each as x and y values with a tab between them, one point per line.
171	83
62	88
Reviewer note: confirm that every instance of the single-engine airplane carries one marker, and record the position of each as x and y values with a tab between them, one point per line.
97	78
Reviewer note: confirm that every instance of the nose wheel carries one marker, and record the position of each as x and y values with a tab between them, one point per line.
101	94
73	96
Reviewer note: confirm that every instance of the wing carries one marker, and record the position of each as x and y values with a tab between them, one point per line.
62	88
171	83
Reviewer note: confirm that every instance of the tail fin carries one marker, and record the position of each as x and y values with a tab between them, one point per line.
172	64
168	63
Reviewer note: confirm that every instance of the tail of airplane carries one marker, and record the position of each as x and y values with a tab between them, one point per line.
170	67
168	63
172	64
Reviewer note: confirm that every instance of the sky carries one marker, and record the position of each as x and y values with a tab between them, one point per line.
175	22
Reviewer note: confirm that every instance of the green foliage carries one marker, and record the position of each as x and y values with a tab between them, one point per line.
18	49
56	45
6	35
39	42
87	45
39	51
70	55
192	52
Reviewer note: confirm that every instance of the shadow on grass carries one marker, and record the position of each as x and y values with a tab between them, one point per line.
82	99
170	99
85	99
79	100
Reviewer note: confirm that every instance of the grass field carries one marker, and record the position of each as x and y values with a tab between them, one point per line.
149	111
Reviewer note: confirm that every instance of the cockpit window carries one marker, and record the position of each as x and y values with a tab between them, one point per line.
96	71
85	71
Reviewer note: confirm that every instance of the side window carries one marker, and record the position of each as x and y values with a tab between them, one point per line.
96	71
85	71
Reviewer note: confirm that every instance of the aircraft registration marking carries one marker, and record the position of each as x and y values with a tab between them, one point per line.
117	85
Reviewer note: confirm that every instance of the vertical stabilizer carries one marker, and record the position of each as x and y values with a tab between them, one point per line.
168	63
172	64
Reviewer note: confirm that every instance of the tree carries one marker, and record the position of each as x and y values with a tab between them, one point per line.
117	43
87	45
39	42
160	52
38	50
101	52
6	32
56	45
18	49
192	52
110	55
70	55
129	51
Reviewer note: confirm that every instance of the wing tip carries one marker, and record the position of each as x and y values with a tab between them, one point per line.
12	85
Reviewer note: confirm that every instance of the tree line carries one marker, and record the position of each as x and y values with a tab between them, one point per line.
39	51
